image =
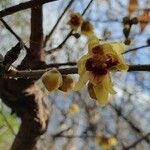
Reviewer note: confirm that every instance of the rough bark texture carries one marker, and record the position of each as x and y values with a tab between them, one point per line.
23	96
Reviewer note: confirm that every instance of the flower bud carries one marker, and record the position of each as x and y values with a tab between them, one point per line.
148	41
86	28
74	108
134	20
52	80
75	21
127	41
67	83
126	20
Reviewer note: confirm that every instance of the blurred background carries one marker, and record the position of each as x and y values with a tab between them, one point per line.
75	119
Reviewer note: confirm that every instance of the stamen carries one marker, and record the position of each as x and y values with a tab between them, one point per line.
89	64
75	20
98	50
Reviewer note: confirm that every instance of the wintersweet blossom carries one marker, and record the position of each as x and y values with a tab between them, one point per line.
94	68
52	80
73	109
67	84
87	28
105	142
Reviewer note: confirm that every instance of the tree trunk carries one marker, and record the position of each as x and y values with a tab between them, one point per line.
23	96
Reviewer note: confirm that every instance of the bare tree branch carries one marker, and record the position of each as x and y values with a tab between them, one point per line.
61	16
38	73
11	31
137	142
136	48
23	6
68	35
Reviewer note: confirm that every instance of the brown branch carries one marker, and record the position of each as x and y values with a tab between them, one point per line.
61	64
139	68
136	48
60	45
132	125
61	16
61	132
23	6
137	142
38	73
32	110
11	31
68	35
35	55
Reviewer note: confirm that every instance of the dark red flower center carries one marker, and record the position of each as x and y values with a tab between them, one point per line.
98	50
100	66
75	20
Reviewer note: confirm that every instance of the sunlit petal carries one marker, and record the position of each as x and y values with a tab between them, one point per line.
108	84
81	64
101	94
82	81
92	42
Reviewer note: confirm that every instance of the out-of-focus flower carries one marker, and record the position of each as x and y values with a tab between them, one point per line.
87	28
67	83
52	80
96	65
75	21
73	109
105	142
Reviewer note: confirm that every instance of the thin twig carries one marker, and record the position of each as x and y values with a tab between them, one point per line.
11	31
136	48
61	64
23	6
61	16
61	132
75	136
133	126
68	35
137	142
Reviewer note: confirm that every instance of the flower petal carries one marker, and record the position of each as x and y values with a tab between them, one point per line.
108	84
82	81
81	64
115	50
101	94
92	42
118	47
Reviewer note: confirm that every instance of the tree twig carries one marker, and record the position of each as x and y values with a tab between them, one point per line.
61	64
11	31
136	48
68	35
133	126
137	142
61	16
23	6
38	73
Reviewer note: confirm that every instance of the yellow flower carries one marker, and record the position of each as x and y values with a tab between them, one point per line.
67	84
52	80
105	142
87	28
73	109
75	21
95	67
92	42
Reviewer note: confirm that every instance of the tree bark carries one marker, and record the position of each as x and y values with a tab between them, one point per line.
23	96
